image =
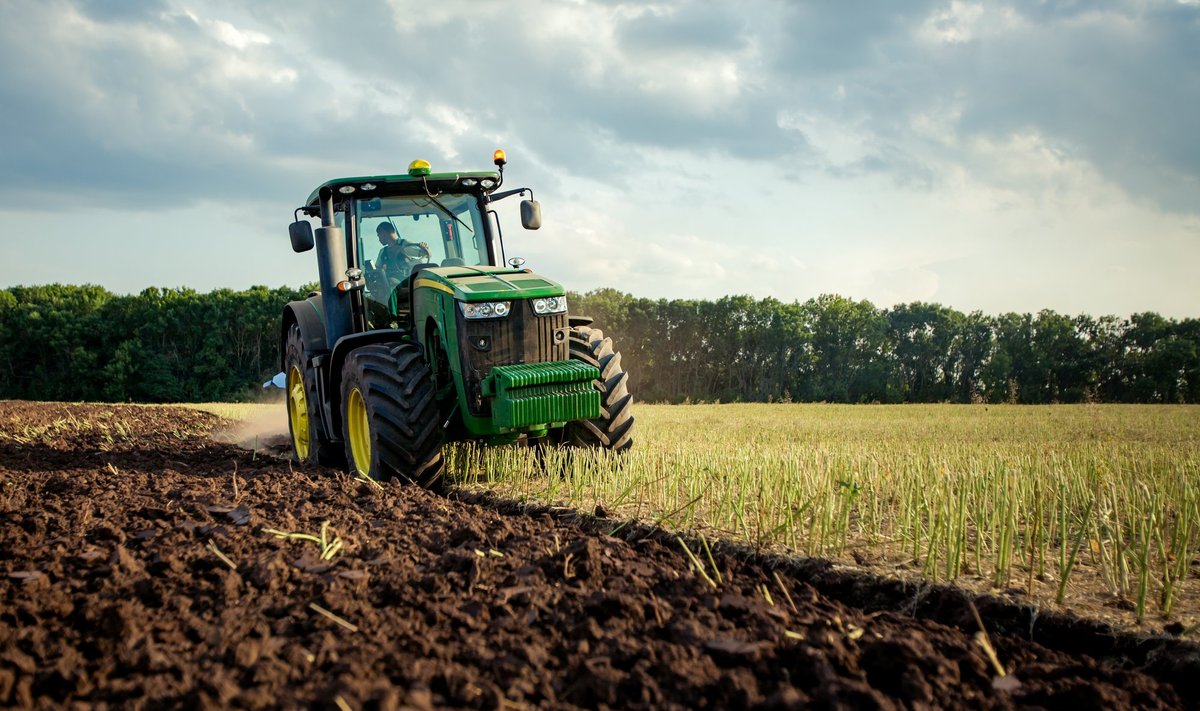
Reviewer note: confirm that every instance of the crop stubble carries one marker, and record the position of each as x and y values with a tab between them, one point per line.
1094	507
138	570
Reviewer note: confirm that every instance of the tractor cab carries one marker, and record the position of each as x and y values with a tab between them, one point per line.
395	225
408	233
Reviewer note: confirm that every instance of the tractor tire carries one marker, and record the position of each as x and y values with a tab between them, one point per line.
613	429
390	419
310	444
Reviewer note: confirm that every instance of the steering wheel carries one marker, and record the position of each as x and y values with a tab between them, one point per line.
415	251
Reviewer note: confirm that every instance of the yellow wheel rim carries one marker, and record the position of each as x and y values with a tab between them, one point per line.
297	405
360	432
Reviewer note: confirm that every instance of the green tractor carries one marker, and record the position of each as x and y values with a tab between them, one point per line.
435	338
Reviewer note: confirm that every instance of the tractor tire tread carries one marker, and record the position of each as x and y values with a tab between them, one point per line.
613	429
322	450
406	439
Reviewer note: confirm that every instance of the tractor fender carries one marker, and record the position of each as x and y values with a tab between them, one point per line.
579	321
341	351
310	318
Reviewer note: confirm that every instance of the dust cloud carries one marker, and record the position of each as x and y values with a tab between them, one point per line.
261	427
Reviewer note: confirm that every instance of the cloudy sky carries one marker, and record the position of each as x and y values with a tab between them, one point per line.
996	156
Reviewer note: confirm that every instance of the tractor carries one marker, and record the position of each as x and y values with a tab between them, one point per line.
436	338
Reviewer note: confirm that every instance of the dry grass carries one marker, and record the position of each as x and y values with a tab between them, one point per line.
1087	506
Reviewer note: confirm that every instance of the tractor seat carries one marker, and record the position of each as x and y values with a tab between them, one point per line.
400	303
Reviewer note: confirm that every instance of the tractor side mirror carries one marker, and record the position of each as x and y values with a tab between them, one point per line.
531	214
302	236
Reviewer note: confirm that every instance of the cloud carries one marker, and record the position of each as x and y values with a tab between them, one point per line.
152	110
1107	84
679	147
171	97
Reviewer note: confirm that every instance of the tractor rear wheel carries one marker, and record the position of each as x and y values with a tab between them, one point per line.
309	443
390	416
613	429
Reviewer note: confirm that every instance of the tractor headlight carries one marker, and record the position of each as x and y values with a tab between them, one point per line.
485	309
550	305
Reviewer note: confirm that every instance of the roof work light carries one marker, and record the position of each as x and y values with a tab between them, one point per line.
418	167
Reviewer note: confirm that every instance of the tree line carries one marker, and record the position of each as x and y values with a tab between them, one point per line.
177	345
163	345
835	349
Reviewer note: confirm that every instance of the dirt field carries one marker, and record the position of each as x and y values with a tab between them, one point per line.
137	569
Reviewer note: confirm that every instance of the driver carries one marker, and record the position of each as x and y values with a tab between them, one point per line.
397	255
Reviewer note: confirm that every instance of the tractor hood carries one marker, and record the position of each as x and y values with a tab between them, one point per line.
487	283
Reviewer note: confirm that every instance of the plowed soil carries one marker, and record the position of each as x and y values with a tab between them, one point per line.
137	570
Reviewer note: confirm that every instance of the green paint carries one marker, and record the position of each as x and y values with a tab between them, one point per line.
513	411
490	283
538	393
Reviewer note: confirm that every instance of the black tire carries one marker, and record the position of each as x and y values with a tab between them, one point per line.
399	414
319	449
613	429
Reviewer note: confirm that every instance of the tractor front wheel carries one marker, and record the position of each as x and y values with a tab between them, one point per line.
389	414
309	443
613	429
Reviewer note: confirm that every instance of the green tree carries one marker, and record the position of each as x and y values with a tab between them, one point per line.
923	341
971	351
849	352
1060	359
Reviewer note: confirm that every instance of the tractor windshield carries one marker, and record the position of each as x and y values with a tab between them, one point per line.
424	231
395	234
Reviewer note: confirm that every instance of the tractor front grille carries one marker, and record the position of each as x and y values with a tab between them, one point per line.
520	337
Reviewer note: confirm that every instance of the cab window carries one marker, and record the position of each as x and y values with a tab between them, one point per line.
396	234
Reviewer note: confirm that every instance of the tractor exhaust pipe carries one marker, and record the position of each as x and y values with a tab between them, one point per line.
331	268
